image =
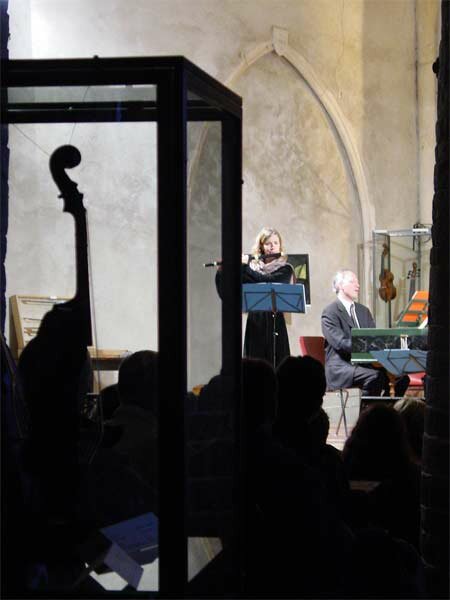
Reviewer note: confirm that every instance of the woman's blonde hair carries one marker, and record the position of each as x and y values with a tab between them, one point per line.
262	237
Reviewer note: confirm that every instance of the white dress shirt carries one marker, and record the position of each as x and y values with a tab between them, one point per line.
347	304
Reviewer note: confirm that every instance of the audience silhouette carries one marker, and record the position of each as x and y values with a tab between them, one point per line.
302	425
53	377
296	486
412	411
137	413
378	450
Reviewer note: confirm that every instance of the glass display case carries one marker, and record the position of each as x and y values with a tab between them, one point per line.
400	260
160	171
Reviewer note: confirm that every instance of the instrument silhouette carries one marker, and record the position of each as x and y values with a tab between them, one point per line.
263	257
68	157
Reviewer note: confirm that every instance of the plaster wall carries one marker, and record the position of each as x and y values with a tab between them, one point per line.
388	120
428	27
296	177
121	211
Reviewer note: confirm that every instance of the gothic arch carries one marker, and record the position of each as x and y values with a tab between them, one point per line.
279	43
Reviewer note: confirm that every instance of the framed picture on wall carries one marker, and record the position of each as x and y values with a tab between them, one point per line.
300	264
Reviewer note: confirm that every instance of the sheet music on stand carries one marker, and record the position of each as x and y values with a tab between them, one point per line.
398	362
273	297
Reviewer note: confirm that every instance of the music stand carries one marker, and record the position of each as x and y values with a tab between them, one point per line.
273	297
398	362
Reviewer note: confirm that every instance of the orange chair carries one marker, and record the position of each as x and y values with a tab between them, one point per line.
311	345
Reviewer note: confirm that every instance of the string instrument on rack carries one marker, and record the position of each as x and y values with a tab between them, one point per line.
413	274
387	289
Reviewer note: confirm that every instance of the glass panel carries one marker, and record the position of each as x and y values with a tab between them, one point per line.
209	442
192	96
91	93
91	461
204	246
401	269
381	268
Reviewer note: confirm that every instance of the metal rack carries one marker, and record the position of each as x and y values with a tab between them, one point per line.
402	253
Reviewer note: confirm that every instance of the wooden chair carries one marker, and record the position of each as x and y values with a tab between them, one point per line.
314	346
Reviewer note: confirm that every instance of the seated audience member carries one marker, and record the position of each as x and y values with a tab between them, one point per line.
412	412
259	392
95	428
338	319
287	497
382	566
319	426
121	480
110	399
209	451
98	424
378	450
302	424
67	499
54	373
211	434
137	414
328	460
54	376
211	396
301	387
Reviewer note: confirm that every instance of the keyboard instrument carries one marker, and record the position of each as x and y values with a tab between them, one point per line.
367	343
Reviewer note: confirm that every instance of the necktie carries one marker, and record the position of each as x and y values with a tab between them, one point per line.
353	316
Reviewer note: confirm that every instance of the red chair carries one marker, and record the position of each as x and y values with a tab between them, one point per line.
314	345
416	382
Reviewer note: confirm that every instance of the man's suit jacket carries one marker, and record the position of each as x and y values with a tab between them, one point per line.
336	328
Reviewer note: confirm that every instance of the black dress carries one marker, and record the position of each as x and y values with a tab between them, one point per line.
258	341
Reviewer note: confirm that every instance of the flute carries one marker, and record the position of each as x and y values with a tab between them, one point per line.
263	257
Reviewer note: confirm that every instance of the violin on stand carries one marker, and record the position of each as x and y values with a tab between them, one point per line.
413	274
387	289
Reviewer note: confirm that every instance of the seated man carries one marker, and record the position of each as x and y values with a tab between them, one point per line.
338	319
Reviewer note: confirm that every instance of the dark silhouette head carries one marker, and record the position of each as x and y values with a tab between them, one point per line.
109	397
377	447
412	411
259	386
55	372
301	387
138	378
212	395
319	427
56	357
